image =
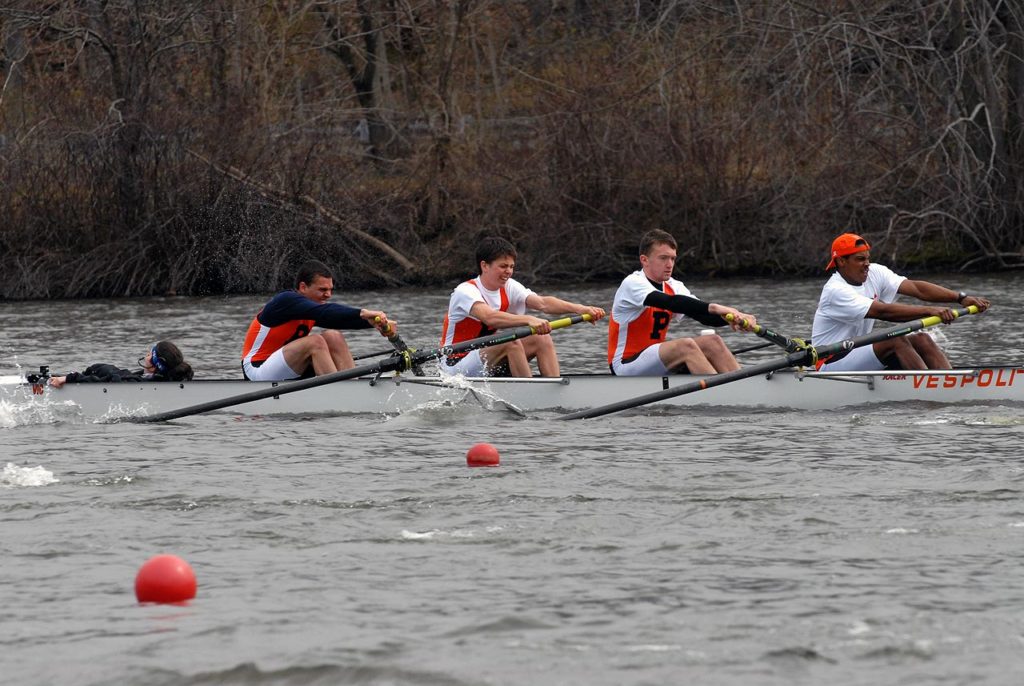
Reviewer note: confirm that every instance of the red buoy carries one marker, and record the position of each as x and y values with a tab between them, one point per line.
483	455
165	579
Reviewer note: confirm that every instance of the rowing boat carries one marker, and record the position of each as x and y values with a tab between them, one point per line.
396	394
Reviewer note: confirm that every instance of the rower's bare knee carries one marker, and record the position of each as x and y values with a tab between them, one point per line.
541	347
929	350
513	352
542	343
710	344
304	351
686	346
717	353
680	350
494	354
900	353
315	343
334	340
901	346
921	342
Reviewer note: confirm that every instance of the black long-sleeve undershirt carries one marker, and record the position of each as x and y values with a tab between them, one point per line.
290	306
684	304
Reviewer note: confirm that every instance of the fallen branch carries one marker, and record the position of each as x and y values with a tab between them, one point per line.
281	197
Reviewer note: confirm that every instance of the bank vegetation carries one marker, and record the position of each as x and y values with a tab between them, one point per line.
198	147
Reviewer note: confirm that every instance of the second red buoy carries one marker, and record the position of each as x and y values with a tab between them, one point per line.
165	579
483	455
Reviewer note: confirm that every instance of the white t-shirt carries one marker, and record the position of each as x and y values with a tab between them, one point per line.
843	307
634	289
467	294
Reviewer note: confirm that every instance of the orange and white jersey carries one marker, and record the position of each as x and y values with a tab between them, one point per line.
459	326
261	341
290	316
633	326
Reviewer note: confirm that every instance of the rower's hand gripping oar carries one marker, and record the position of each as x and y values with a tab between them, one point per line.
805	356
398	363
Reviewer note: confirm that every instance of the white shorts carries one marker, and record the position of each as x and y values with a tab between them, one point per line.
274	368
647	363
472	364
858	359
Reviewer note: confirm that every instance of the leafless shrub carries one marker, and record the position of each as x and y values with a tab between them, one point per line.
202	147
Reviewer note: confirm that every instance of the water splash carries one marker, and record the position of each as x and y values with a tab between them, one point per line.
440	534
14	414
472	393
14	476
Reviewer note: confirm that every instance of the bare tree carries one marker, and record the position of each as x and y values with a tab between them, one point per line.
357	39
190	147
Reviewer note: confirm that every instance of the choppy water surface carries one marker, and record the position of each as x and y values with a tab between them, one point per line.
712	547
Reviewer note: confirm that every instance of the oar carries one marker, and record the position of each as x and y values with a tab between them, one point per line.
399	363
774	338
804	356
790	345
378	353
402	347
751	348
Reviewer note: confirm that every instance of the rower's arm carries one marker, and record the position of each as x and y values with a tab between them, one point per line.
496	319
289	306
549	304
927	291
684	304
930	292
895	312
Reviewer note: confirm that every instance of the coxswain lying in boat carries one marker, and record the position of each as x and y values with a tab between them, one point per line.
859	292
279	346
494	300
647	301
163	362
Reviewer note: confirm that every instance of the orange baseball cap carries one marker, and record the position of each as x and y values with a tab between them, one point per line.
846	244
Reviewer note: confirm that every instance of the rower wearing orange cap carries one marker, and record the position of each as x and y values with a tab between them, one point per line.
859	292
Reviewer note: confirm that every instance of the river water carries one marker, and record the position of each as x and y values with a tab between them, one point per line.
653	547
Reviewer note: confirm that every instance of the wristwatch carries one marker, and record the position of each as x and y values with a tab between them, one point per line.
960	297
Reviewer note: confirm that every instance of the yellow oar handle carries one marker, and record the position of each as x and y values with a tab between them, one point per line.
743	322
387	332
564	322
935	319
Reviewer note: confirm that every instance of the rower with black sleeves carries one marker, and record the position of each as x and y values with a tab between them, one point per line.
647	301
280	345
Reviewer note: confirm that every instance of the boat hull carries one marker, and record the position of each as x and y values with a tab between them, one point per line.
392	395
